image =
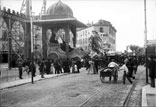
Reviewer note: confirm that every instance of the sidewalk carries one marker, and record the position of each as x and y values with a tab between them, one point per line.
27	80
149	96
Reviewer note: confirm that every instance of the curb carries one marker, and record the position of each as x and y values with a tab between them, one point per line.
144	98
27	82
147	90
14	85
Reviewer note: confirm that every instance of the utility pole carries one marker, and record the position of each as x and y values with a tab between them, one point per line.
146	61
31	34
9	46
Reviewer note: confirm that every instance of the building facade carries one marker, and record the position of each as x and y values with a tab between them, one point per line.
151	47
106	31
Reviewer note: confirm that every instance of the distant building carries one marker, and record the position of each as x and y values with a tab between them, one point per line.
106	31
151	42
151	47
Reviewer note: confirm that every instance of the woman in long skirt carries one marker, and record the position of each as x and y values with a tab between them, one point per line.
52	68
91	68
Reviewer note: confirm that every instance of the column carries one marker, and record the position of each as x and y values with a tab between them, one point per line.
67	39
9	45
44	42
27	40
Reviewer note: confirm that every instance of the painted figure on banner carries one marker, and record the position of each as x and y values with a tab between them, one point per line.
56	36
95	42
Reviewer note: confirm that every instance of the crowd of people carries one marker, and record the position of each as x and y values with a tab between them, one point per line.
127	64
47	66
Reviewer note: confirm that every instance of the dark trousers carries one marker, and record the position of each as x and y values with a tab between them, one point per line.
126	75
48	71
78	71
33	73
42	73
135	69
152	82
96	67
20	72
130	72
57	71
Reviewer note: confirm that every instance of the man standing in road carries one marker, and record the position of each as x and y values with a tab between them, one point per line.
130	65
126	72
152	70
42	68
20	64
78	63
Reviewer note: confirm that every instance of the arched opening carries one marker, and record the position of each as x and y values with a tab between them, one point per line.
3	41
17	42
53	56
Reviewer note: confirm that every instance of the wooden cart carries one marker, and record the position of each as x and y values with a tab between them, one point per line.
109	72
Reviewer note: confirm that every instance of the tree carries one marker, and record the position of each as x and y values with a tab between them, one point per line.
133	48
136	49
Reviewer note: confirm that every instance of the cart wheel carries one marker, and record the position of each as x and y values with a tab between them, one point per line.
102	79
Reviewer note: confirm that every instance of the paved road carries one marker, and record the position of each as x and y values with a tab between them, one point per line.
69	90
135	99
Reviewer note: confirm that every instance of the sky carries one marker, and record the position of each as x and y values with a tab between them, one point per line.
127	16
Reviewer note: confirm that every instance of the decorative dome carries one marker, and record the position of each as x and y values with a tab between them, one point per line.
60	10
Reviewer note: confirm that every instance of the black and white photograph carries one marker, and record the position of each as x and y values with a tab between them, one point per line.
77	53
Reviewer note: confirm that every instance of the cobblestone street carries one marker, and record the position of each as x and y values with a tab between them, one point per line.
77	53
135	99
69	90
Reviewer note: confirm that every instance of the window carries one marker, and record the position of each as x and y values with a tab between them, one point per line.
101	29
86	33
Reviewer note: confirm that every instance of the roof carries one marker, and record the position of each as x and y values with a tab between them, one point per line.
72	21
59	9
103	23
59	14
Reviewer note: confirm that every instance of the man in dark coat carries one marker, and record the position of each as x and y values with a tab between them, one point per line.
28	67
130	65
78	63
152	70
42	68
57	67
66	66
48	65
20	65
135	65
33	68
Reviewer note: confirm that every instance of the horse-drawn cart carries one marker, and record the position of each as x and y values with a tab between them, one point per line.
109	72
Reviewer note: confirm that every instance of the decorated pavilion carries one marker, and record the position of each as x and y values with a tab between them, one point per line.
61	24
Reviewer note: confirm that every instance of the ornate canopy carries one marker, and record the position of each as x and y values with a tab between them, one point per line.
59	13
